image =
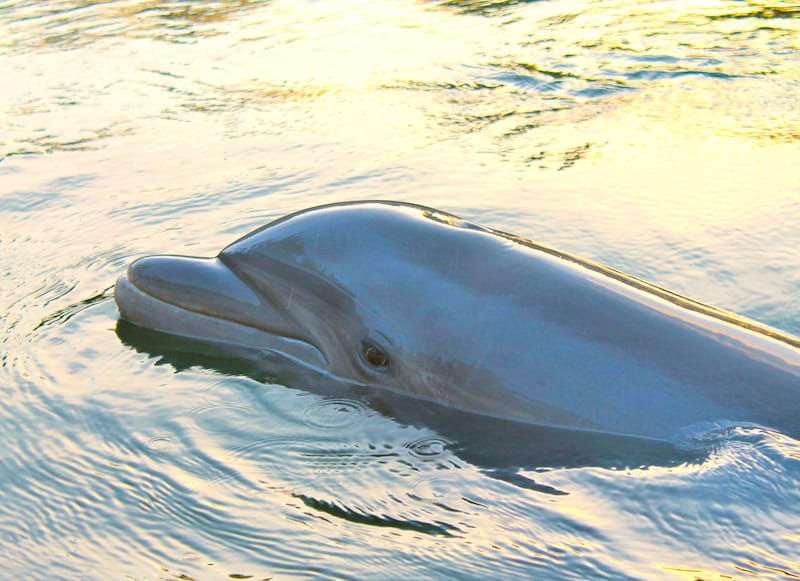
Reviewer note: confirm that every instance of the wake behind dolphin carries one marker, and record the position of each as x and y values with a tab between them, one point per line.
421	303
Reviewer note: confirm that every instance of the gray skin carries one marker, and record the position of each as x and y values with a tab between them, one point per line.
422	303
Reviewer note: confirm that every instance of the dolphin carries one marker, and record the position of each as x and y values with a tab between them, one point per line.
413	301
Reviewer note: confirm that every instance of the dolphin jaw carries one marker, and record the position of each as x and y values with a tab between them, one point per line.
159	308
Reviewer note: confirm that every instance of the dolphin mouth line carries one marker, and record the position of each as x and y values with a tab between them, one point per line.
145	309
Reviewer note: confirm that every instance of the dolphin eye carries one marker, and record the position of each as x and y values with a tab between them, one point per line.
375	356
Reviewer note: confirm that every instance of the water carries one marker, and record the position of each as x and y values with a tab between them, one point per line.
661	138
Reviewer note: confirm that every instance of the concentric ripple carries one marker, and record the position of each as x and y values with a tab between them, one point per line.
334	414
220	417
427	448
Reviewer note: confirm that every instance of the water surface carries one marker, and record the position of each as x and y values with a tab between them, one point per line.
661	138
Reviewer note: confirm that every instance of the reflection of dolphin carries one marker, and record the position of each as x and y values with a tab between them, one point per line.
499	447
421	303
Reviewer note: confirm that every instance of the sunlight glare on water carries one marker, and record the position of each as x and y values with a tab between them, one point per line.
660	137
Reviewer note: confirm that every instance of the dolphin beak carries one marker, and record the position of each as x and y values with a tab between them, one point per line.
201	298
197	284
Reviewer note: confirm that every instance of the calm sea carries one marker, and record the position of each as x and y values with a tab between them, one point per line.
659	137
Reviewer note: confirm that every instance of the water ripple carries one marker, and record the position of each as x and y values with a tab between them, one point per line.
377	520
430	448
334	414
160	444
74	24
220	417
64	314
175	126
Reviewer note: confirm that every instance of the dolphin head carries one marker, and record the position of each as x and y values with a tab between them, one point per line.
391	295
346	289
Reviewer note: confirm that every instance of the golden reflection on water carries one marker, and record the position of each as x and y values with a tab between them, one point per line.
673	110
642	123
410	73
